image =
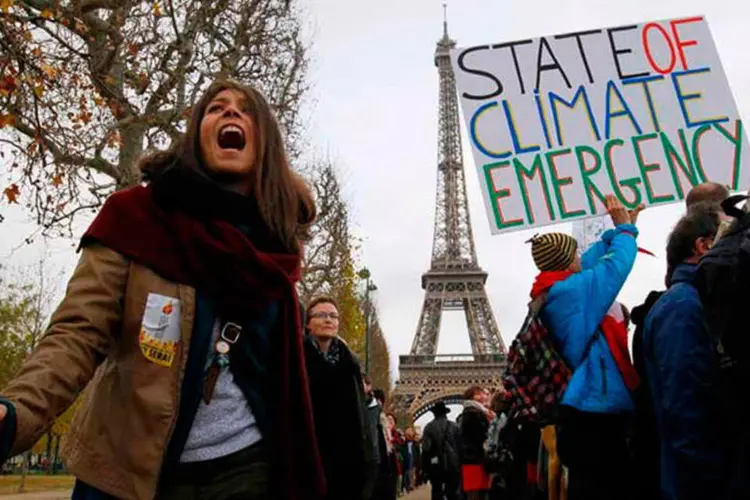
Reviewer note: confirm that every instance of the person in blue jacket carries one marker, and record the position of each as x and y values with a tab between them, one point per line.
683	372
579	294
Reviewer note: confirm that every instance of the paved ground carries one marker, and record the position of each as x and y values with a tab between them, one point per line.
47	495
422	493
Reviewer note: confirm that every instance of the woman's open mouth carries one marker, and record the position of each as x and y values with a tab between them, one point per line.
231	137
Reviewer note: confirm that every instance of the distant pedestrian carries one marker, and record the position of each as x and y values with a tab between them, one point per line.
475	422
373	410
440	460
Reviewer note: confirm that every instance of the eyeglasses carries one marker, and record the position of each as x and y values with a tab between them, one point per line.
325	315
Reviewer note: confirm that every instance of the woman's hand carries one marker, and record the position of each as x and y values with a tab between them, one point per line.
617	211
635	212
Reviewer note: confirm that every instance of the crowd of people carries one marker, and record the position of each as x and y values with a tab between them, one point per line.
661	423
207	379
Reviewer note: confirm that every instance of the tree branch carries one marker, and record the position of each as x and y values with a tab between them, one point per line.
86	6
97	163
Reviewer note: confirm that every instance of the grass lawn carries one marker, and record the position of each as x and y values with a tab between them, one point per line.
34	483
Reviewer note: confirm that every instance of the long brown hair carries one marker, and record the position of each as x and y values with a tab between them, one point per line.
283	197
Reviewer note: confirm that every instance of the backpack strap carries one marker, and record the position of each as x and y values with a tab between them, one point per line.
535	308
536	305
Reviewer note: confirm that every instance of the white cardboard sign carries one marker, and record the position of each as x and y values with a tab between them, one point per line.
555	123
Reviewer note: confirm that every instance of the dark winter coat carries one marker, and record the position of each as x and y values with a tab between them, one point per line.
440	448
683	376
474	427
341	420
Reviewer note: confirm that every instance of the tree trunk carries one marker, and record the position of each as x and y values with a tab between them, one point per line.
130	151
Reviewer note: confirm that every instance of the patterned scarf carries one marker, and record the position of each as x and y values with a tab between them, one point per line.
333	356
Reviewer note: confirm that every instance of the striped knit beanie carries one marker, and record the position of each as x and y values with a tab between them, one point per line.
553	251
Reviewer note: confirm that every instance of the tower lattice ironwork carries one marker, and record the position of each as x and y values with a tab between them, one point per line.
454	281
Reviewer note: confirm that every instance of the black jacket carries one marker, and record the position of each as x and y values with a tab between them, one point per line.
341	420
440	447
474	427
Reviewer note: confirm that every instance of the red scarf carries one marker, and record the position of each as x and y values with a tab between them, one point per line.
612	326
173	227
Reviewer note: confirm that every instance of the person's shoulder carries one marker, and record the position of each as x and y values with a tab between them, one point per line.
127	197
680	295
130	207
351	357
679	303
565	294
308	344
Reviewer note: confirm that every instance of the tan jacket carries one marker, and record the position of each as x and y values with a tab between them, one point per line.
109	330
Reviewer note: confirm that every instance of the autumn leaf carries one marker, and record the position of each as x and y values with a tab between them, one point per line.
37	52
39	91
157	10
49	71
98	101
7	85
5	5
57	180
46	14
7	120
133	49
12	192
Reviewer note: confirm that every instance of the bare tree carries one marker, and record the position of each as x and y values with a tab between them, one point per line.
329	251
330	264
87	85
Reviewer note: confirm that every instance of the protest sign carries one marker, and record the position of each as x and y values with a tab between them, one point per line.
642	111
589	231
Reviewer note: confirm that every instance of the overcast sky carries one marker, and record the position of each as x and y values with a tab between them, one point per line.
375	113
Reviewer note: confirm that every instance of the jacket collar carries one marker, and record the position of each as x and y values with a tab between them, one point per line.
683	273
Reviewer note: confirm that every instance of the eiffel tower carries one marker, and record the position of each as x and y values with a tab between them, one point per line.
454	281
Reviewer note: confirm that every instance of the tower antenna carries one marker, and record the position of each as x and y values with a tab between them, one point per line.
445	20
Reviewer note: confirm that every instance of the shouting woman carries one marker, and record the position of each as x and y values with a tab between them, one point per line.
183	320
338	397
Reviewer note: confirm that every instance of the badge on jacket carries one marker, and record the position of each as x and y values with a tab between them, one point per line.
160	329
